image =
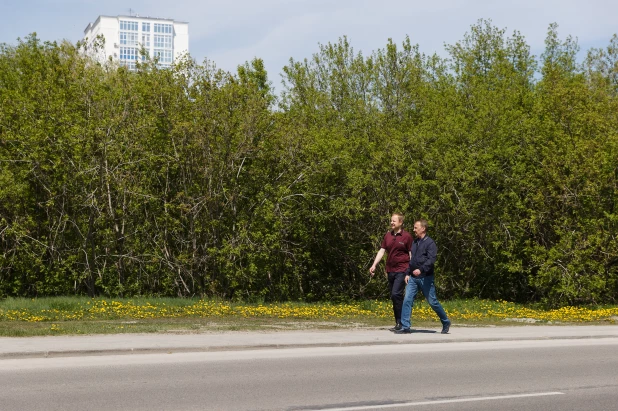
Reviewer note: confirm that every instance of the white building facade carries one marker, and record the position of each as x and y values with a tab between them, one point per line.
126	35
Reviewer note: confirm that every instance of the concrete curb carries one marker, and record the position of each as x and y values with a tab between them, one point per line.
128	344
170	350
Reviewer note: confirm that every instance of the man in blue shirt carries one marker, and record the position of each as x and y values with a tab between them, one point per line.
420	275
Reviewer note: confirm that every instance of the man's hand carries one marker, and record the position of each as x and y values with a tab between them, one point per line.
372	270
416	272
407	278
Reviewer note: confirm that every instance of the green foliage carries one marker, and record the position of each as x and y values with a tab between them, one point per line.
192	182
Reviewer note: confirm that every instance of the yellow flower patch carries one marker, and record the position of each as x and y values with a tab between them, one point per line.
483	310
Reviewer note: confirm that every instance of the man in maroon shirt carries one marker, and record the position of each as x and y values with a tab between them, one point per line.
397	243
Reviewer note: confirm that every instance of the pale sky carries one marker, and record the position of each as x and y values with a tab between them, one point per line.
234	31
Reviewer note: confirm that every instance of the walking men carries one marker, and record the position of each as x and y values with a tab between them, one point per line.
420	274
397	243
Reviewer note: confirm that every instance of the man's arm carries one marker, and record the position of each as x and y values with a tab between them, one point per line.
409	269
376	261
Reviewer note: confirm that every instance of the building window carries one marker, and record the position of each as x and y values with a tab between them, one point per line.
128	53
129	64
165	56
128	25
163	28
146	40
128	38
162	41
146	27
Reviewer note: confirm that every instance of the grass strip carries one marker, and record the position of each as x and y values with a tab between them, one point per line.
81	315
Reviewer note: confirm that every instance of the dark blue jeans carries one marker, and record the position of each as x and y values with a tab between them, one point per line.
429	290
396	285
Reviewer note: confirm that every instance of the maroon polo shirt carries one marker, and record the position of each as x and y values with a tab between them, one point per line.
398	246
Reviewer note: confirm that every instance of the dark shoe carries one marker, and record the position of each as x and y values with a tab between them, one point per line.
404	331
397	327
446	327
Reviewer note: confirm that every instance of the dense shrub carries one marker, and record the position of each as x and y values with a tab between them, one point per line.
194	181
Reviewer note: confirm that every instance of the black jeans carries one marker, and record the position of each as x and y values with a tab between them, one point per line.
396	286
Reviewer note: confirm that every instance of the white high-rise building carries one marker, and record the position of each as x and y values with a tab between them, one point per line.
126	35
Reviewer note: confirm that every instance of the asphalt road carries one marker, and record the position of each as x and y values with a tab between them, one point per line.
577	374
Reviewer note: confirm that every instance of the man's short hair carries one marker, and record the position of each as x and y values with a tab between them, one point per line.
423	223
399	216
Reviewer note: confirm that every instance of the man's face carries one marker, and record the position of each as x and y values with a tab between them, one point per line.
396	223
419	230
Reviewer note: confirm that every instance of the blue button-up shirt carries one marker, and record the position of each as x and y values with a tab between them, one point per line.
424	253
